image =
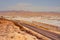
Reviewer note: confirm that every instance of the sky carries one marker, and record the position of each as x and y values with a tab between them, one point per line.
30	5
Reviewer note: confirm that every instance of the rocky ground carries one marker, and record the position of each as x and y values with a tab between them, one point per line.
9	31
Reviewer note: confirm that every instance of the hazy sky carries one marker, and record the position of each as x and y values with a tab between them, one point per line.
30	5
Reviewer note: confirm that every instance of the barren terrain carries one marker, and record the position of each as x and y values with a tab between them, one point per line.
26	25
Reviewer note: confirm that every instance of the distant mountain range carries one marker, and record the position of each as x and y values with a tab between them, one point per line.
28	13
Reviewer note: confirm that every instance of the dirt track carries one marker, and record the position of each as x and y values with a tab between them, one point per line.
48	34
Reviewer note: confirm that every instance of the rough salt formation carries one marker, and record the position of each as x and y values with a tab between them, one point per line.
8	31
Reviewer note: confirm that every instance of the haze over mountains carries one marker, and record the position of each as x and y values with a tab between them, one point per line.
28	13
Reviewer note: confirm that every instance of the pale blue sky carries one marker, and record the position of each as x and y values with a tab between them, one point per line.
35	5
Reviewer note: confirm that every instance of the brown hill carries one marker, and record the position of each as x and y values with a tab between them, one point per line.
9	31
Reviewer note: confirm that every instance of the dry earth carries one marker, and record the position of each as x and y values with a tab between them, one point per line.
9	31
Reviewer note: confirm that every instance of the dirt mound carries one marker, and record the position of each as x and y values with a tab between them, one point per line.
9	31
